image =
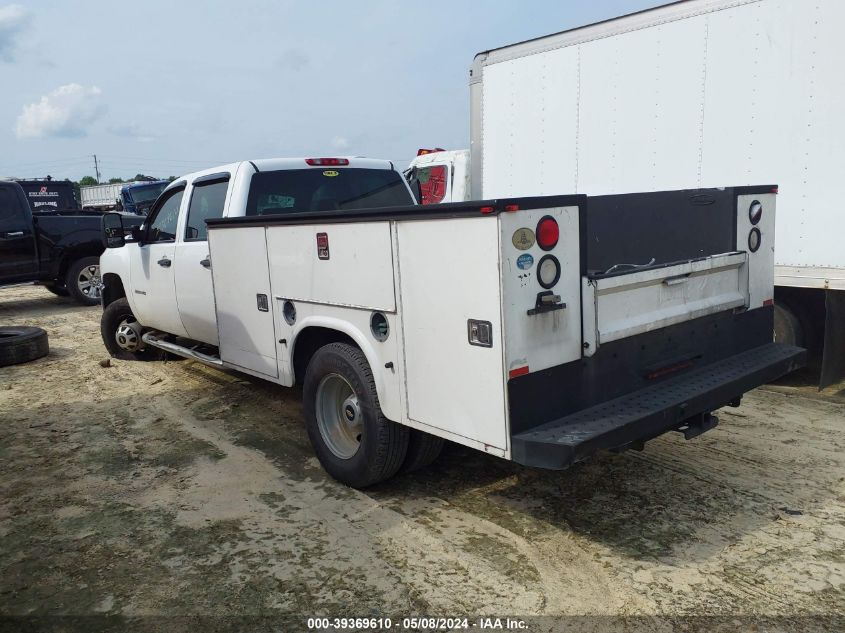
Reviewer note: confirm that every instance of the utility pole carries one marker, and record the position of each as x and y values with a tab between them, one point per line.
96	169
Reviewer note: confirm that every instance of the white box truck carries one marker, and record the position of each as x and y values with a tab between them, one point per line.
699	93
522	327
102	197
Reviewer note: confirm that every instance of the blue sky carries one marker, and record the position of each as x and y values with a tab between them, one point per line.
165	88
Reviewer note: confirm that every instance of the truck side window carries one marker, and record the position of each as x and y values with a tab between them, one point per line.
207	201
166	216
10	215
432	183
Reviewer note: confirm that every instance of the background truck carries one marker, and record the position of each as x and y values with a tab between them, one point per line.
138	197
131	197
526	328
60	249
695	93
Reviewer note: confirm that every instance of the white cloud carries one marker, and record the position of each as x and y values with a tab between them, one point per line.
67	111
13	20
338	142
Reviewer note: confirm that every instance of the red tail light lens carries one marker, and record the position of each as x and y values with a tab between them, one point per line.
327	162
548	233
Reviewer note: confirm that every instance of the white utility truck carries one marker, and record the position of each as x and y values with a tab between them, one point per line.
536	329
699	93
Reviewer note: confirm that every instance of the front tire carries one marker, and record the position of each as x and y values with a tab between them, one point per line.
83	281
353	440
121	333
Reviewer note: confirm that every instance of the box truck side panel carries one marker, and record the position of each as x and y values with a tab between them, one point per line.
449	274
530	113
640	109
773	112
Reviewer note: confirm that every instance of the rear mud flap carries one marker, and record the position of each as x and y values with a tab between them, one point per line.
833	353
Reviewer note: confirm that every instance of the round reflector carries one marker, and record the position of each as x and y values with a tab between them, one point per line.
547	232
754	239
755	212
548	271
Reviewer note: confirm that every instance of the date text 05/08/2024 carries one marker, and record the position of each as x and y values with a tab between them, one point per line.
416	624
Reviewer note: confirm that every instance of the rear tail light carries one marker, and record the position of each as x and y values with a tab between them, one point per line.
327	162
755	212
548	271
548	233
754	239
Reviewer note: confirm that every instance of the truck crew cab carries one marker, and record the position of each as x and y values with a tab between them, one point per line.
536	329
57	246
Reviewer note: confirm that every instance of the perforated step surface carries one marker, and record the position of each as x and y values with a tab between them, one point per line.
658	408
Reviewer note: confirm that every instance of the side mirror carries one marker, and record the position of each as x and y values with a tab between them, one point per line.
113	235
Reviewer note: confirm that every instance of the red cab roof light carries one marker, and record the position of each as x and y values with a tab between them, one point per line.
327	162
423	152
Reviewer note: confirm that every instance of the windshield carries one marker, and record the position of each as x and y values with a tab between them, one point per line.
300	190
146	193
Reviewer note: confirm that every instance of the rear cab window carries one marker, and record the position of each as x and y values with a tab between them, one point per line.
325	189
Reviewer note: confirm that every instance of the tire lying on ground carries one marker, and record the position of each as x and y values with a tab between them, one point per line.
22	344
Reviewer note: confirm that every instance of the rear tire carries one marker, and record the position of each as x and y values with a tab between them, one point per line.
353	440
121	333
83	281
423	449
787	326
59	291
22	344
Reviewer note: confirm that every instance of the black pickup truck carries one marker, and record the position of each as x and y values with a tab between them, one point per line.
58	248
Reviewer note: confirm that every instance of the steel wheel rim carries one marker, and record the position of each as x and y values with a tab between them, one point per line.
128	335
88	281
339	416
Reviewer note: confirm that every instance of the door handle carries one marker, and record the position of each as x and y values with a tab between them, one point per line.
164	262
205	263
14	234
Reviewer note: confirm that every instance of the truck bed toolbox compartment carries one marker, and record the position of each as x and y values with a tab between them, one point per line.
653	410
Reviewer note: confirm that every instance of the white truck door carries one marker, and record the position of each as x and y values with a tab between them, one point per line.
194	288
151	273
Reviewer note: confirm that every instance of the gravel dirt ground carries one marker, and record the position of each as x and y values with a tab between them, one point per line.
171	488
